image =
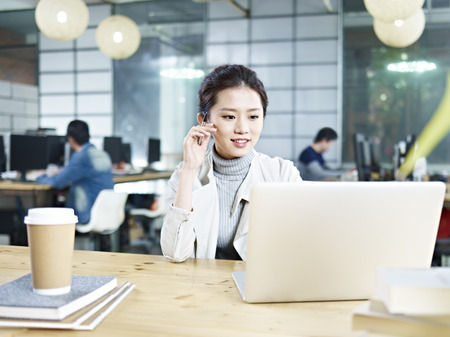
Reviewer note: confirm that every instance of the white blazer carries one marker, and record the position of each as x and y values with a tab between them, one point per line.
187	234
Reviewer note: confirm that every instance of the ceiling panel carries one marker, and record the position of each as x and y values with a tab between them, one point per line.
19	18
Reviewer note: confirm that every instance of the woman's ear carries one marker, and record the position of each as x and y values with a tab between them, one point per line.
199	118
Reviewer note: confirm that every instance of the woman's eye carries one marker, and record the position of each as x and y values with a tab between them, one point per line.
254	117
228	117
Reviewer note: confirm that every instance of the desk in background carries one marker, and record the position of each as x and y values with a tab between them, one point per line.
15	199
143	176
194	298
31	194
144	183
41	195
13	185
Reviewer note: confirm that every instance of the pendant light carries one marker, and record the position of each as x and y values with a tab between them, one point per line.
118	37
62	20
391	10
400	33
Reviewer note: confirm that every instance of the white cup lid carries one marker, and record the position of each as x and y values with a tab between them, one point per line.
51	216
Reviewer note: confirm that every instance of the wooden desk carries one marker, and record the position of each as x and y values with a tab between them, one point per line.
9	185
31	194
143	176
193	298
22	186
37	191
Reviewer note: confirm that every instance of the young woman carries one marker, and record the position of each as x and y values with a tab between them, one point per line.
209	192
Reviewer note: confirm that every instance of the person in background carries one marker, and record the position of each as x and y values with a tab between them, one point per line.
209	191
311	163
88	172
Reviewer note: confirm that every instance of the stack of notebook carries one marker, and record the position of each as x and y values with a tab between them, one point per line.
90	300
409	302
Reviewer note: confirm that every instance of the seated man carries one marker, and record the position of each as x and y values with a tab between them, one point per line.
88	172
311	163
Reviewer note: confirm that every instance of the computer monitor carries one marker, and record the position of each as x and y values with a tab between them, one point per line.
2	155
362	156
367	157
56	149
113	146
126	152
154	150
28	152
375	154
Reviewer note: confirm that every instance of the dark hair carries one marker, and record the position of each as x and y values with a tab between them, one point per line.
79	131
325	133
225	77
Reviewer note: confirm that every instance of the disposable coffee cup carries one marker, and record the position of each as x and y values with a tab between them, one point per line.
51	235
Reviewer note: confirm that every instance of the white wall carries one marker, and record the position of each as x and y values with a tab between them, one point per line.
18	109
76	81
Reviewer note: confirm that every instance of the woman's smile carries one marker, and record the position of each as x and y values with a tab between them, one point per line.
241	143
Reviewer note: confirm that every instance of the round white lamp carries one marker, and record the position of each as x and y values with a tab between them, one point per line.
62	20
118	37
391	10
400	33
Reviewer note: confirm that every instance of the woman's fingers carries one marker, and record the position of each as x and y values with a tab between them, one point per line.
200	132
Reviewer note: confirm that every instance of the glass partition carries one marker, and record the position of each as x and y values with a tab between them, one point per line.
391	93
155	90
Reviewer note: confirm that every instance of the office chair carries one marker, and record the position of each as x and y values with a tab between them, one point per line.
150	221
441	256
107	215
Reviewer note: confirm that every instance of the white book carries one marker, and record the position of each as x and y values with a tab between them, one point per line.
17	299
375	319
88	318
413	291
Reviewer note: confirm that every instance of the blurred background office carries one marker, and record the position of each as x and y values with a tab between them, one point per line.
320	61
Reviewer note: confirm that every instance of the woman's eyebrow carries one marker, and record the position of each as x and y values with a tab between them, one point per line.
228	109
235	110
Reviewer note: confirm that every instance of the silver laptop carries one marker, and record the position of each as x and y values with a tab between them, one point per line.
318	241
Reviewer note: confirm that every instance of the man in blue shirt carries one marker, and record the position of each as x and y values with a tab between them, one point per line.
311	163
88	172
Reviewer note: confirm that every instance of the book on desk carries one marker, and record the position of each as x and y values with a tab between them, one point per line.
373	317
91	298
415	291
408	302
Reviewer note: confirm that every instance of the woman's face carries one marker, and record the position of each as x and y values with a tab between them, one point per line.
238	117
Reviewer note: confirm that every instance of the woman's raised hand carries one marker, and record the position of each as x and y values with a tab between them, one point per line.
195	145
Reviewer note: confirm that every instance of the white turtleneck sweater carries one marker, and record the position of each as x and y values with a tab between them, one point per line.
229	174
